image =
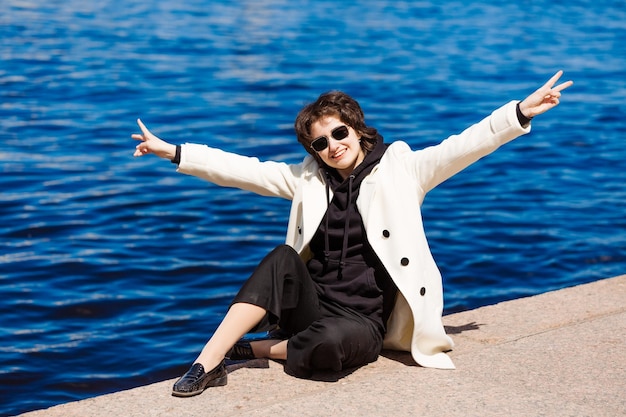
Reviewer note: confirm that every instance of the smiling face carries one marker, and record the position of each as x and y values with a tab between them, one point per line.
343	155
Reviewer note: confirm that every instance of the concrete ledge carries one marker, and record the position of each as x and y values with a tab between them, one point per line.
556	354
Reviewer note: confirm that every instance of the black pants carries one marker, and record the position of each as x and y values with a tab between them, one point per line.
326	335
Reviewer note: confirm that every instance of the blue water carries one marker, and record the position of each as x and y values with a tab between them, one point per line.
115	270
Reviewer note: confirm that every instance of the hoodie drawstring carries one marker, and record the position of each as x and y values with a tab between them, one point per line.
346	227
326	242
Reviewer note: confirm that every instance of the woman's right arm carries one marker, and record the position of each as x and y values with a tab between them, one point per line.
222	168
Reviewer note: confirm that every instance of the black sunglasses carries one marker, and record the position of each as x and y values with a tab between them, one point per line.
338	133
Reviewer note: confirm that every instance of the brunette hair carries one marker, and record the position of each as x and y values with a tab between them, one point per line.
340	105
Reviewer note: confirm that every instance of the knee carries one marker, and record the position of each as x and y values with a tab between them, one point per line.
289	257
284	250
328	352
330	338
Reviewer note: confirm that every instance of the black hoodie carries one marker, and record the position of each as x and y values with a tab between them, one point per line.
344	267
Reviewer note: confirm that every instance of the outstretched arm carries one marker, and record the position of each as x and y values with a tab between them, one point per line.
545	98
152	144
435	164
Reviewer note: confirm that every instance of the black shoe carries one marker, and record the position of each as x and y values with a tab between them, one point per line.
195	381
242	351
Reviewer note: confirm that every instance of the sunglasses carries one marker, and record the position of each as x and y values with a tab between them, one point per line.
338	133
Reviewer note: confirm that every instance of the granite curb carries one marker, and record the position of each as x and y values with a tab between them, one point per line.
561	353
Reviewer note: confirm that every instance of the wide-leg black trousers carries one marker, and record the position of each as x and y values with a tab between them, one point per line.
325	335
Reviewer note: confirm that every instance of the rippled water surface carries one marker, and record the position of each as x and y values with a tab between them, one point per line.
115	270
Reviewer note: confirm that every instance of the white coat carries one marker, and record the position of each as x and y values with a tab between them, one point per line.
389	202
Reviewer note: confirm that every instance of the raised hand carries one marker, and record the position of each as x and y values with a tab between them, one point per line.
545	98
152	144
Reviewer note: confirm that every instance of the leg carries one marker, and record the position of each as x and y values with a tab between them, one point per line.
271	349
280	286
280	283
241	317
209	369
336	342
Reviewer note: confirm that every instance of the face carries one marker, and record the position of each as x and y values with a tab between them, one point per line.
344	155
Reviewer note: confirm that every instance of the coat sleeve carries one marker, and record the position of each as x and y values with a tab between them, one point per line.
227	169
433	165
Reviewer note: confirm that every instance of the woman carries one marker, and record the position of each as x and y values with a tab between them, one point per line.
355	274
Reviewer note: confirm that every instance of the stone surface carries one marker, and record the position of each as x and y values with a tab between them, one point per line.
556	354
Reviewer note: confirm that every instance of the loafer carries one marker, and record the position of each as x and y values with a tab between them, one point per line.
195	381
241	351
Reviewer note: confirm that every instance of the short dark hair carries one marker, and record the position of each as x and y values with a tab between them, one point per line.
340	105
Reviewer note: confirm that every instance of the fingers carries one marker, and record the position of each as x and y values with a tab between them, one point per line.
554	79
563	86
141	149
551	94
145	133
143	127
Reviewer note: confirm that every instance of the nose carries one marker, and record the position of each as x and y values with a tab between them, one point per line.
332	144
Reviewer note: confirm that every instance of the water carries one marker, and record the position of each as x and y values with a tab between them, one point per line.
114	270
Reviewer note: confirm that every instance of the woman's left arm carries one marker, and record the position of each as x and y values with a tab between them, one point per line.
433	165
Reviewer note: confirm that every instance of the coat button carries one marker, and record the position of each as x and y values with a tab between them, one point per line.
299	230
422	291
404	261
385	233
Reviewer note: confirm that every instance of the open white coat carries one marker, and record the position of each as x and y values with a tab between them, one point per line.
389	202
